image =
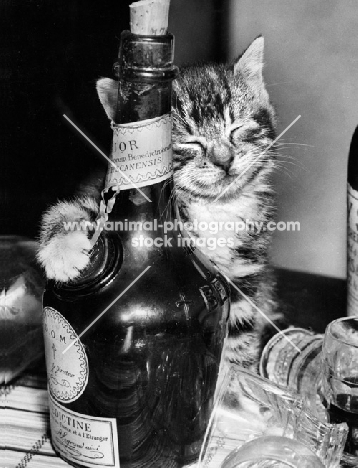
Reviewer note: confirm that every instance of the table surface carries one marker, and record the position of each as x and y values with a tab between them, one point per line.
310	301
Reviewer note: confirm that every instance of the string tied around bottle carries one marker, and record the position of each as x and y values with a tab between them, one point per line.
108	199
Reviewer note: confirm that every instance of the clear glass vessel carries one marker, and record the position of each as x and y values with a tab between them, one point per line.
339	380
249	408
21	289
324	371
272	452
292	359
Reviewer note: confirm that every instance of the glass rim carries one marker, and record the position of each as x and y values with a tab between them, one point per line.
329	331
272	444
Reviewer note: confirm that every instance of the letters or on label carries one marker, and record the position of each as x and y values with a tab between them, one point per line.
142	153
87	440
352	252
66	359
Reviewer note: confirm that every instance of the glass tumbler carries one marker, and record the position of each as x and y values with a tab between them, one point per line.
339	380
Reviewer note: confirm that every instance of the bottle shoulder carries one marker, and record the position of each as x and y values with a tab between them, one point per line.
152	287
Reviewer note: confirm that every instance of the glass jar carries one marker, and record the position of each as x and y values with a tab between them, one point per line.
21	288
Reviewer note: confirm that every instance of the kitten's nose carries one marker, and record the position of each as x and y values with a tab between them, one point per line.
222	155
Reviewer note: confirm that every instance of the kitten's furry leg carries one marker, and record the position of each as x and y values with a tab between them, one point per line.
242	346
250	324
64	238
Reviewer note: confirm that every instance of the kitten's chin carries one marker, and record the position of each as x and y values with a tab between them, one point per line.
220	185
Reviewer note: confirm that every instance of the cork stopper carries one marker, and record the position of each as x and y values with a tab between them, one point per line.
149	17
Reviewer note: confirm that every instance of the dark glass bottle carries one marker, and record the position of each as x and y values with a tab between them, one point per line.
352	228
132	379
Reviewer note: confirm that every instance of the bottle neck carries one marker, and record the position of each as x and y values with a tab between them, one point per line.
145	72
141	100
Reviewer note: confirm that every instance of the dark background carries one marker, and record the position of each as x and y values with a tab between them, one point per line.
53	51
51	54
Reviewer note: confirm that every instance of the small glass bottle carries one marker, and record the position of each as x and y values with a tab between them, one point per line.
352	228
133	347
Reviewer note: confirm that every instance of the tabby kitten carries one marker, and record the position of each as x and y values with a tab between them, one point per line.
223	124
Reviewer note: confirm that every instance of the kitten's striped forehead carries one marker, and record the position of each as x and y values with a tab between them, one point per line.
202	95
211	99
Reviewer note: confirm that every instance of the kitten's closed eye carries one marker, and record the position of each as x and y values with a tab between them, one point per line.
196	143
244	132
193	148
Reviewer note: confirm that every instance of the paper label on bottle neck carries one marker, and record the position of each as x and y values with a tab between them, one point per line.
352	252
141	153
66	359
86	440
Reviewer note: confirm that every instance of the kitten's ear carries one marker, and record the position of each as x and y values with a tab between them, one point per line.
107	90
249	65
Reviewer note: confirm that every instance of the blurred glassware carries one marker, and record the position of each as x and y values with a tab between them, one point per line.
338	385
323	370
292	359
248	406
272	452
21	288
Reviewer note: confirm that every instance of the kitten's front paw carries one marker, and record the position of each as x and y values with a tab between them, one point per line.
65	256
64	252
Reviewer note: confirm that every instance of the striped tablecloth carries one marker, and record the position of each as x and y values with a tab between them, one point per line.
24	424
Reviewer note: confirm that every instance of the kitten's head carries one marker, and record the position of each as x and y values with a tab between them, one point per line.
222	124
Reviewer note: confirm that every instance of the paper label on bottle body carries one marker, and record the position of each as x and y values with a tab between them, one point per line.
141	152
352	252
66	359
87	440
